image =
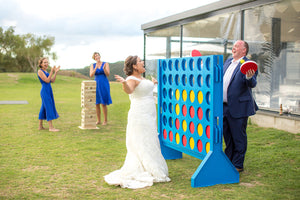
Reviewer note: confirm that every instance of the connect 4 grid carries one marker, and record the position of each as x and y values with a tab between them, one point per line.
190	116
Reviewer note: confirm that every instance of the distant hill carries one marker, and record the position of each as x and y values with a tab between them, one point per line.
72	73
115	68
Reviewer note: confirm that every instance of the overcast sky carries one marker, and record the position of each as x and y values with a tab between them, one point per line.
82	27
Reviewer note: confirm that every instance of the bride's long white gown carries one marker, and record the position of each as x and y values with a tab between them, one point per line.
144	163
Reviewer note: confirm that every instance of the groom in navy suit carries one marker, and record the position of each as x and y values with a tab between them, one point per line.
238	104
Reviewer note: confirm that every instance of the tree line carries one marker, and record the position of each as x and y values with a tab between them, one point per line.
21	53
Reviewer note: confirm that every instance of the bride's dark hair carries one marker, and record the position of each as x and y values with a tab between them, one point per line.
128	65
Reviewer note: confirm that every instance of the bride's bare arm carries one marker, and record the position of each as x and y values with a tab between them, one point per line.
128	86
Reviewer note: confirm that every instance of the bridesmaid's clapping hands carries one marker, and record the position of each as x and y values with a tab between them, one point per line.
57	69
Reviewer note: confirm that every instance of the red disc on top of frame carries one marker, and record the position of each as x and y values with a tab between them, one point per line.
196	53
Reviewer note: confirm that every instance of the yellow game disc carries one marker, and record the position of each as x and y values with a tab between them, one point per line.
192	96
177	138
207	147
177	94
184	95
184	125
200	97
200	129
192	143
177	109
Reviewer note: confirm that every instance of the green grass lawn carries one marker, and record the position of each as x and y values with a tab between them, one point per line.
70	164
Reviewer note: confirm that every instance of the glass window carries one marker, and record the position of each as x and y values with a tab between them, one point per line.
211	36
161	44
273	35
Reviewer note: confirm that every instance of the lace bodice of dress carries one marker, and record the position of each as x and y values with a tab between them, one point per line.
143	90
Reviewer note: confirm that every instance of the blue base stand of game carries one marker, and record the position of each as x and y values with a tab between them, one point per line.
169	153
214	169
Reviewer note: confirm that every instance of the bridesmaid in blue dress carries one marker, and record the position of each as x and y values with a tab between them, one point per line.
101	71
48	111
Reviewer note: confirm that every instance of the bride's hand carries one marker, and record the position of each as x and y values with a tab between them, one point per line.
154	80
119	78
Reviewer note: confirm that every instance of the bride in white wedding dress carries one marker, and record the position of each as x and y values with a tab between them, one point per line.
144	163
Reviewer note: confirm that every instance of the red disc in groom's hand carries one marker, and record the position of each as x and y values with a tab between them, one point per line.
248	65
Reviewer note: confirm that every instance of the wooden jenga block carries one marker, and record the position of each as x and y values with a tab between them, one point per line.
88	111
88	117
88	100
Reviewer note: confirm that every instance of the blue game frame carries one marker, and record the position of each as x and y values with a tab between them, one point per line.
190	116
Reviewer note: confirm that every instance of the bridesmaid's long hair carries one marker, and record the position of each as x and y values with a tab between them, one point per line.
128	65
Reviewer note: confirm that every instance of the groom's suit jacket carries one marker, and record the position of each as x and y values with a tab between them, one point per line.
239	94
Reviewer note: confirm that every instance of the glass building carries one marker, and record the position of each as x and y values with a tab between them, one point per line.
271	27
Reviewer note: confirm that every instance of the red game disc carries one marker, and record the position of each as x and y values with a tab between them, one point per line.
196	53
248	65
165	134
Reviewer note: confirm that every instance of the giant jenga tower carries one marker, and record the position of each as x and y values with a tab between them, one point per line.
88	109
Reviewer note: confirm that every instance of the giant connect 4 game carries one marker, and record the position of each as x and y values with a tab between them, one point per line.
190	116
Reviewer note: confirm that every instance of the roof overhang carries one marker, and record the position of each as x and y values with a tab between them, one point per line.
220	7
